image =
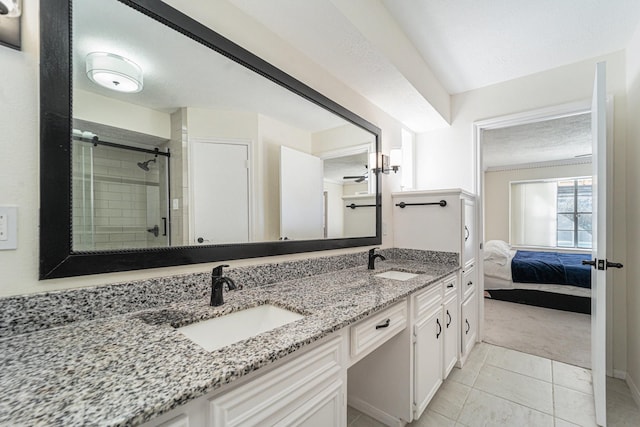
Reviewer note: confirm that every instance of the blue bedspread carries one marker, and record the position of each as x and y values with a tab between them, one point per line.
551	267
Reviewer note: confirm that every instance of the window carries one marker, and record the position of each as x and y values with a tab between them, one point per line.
406	168
574	213
552	213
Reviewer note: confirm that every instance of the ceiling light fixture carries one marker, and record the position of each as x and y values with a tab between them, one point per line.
114	72
10	33
10	8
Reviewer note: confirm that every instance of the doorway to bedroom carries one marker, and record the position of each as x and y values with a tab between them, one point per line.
536	173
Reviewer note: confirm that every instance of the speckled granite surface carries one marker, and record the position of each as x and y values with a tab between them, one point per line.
128	368
29	313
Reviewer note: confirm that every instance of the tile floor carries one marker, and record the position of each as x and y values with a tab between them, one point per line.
503	387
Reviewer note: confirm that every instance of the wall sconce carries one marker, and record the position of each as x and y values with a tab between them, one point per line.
385	163
10	11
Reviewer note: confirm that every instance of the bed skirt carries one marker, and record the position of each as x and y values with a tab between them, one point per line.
576	304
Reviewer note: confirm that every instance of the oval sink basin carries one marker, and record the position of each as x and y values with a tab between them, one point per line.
397	275
221	331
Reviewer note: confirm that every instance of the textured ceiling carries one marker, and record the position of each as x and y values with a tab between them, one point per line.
210	81
467	44
474	43
558	139
320	30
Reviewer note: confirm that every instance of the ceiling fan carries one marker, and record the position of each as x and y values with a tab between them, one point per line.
359	178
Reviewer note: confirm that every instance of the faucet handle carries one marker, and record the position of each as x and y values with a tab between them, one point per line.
217	271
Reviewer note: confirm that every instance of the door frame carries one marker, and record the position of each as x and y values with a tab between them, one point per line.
252	202
527	117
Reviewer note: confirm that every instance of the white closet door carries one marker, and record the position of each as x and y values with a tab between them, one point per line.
301	195
220	193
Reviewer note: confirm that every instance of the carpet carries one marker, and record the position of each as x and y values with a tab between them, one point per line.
558	335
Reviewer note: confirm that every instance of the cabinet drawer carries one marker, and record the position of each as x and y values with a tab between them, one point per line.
468	281
425	300
450	286
372	332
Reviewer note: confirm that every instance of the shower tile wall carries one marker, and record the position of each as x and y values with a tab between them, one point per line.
179	186
112	214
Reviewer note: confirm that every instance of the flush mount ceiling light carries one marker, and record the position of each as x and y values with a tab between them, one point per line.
10	8
114	72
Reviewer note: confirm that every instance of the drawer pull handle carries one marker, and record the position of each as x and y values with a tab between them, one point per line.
439	328
449	320
450	285
468	326
469	283
385	324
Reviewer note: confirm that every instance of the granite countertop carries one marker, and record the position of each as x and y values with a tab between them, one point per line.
129	368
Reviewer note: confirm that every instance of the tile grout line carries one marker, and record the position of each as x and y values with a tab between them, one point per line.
553	392
484	363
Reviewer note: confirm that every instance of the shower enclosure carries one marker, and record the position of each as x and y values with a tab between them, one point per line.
120	195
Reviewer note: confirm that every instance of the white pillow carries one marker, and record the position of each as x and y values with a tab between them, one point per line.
497	251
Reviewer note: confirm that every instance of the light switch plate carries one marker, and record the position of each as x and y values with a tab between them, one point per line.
8	227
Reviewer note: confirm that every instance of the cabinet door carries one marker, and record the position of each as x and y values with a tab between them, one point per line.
306	385
451	327
468	233
469	323
327	408
427	359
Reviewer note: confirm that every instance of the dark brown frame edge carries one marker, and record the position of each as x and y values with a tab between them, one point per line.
57	258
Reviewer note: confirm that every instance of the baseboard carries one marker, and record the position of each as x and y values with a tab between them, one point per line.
635	393
374	412
621	375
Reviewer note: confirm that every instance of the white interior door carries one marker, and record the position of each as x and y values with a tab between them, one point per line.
599	251
301	195
220	192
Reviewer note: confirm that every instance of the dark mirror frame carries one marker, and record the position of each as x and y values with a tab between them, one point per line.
57	258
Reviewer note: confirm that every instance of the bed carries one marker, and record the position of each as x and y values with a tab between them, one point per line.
546	279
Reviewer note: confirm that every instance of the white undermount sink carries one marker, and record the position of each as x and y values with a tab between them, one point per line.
221	331
397	275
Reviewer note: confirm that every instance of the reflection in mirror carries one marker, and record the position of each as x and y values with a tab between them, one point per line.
166	154
162	144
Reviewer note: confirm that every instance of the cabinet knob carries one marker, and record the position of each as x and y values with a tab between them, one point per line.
469	283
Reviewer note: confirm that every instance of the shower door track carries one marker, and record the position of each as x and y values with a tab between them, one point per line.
96	141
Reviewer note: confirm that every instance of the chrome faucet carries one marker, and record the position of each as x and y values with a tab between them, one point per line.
372	258
217	285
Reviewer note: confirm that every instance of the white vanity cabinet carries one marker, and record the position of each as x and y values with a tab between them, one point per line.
395	383
424	224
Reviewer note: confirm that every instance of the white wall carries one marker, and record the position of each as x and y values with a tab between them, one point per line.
19	139
112	112
444	158
496	193
632	269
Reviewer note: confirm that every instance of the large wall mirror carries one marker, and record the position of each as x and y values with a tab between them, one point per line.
163	143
